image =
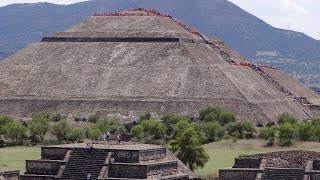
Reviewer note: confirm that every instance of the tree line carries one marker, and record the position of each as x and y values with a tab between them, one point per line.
181	134
288	129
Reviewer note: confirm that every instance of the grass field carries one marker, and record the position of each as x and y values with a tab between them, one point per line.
15	157
222	153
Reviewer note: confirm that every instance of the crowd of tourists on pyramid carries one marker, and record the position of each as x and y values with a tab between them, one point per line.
146	12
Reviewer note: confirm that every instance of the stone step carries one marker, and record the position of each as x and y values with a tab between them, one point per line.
82	162
36	177
283	174
43	167
145	169
171	177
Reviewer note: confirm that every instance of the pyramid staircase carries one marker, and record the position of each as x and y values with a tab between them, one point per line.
104	163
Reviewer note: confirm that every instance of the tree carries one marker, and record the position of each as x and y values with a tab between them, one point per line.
210	113
179	128
15	131
3	121
39	125
189	150
226	117
214	131
61	130
269	134
287	118
316	129
93	133
171	119
209	131
111	125
287	132
137	132
305	131
235	135
244	128
153	128
77	134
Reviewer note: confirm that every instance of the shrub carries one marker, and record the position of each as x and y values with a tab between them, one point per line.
287	132
210	113
93	133
39	126
77	134
226	117
3	121
287	118
153	128
269	134
61	130
305	131
15	131
137	132
171	119
93	118
57	117
145	116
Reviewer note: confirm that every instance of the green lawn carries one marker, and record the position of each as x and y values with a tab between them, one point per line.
15	157
222	153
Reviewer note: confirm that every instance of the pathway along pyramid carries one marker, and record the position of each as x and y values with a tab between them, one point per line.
128	62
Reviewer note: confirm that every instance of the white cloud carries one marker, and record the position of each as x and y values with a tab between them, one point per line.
299	15
293	6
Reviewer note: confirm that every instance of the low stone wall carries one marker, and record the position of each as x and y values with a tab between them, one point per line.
22	108
314	175
126	156
247	163
316	165
287	159
9	175
43	167
53	153
152	154
165	168
238	174
128	171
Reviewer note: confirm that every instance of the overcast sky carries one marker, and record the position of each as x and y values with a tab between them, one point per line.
298	15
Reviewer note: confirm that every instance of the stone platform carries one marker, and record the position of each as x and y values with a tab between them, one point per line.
286	165
106	161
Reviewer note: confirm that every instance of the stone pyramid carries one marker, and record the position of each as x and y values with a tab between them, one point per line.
128	62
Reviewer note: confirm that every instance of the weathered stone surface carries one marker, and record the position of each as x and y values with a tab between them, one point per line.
129	161
6	174
125	65
284	165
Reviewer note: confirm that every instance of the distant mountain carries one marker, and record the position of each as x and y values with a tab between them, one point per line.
21	24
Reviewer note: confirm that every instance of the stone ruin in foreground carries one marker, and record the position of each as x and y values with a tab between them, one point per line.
139	60
138	161
6	174
285	165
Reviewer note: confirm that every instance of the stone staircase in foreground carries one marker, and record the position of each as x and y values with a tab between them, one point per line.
283	174
128	162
